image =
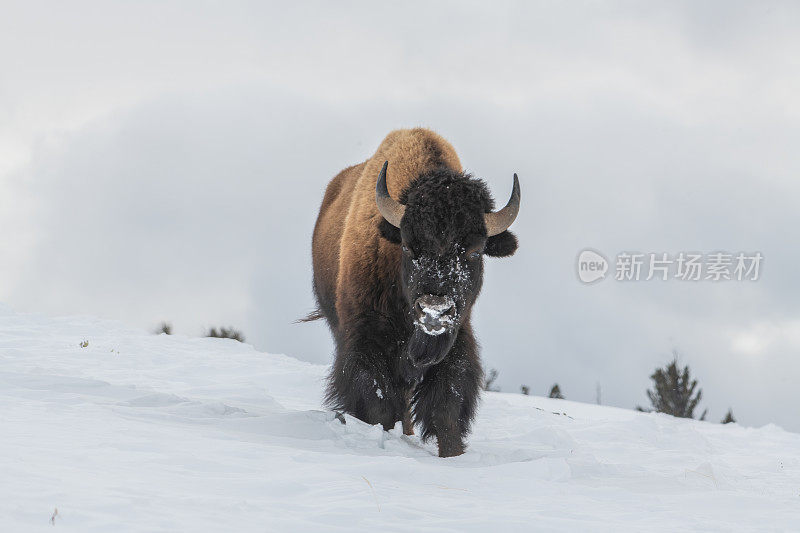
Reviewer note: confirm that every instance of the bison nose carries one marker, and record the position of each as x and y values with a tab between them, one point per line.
435	314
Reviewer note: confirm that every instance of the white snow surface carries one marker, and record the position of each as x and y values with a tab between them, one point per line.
143	432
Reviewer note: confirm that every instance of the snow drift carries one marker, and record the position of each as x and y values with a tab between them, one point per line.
123	430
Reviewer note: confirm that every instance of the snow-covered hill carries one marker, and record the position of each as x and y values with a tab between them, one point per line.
138	432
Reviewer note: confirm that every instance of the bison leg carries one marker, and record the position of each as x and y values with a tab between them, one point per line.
445	400
408	422
362	388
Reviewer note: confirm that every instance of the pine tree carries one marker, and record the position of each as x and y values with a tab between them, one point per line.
555	392
673	391
164	327
524	389
729	417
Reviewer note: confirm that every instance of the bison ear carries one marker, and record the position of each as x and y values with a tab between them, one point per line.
389	232
501	245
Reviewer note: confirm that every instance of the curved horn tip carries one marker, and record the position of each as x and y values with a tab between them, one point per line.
380	186
499	221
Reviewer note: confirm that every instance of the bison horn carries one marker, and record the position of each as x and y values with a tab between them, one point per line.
499	221
391	209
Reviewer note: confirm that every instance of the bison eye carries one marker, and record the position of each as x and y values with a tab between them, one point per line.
406	249
474	256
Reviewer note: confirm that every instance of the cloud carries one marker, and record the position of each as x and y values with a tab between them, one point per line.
762	337
176	174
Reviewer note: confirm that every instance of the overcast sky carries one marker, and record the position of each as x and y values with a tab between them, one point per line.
166	161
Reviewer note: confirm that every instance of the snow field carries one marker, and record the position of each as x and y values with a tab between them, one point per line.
142	432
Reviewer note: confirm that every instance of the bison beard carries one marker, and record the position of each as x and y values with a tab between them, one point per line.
424	350
368	274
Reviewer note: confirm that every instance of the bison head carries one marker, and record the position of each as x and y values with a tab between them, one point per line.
444	224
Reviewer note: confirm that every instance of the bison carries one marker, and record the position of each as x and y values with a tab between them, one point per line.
398	253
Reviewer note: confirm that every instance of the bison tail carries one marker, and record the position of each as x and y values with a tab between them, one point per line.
316	314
